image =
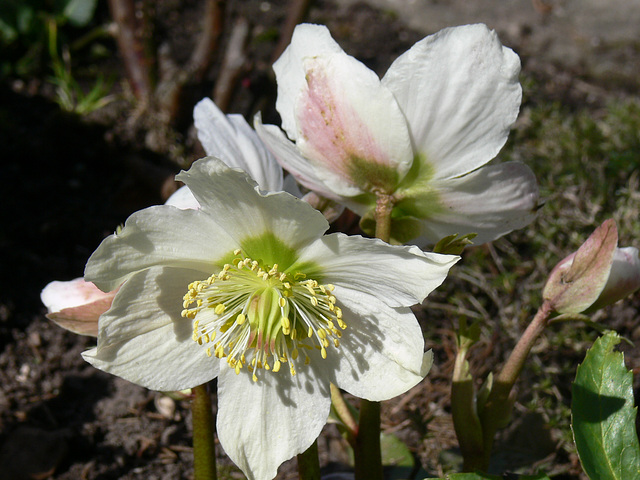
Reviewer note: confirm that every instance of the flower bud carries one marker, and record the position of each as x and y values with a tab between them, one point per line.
596	275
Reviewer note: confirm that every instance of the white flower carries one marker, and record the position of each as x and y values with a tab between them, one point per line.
247	289
76	304
421	134
231	139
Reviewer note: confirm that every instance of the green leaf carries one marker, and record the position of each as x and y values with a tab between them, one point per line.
485	476
603	415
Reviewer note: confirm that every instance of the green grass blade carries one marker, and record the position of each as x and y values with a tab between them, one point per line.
603	415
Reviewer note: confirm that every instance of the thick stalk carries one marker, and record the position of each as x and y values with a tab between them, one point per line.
368	457
204	452
384	207
309	464
466	422
498	406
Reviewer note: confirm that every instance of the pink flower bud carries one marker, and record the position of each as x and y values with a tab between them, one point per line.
596	275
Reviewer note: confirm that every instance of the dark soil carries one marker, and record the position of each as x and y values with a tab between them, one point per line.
67	183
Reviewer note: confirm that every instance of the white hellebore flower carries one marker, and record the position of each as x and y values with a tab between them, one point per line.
231	139
247	289
76	304
420	135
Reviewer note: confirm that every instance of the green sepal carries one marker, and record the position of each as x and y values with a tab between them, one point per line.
454	244
603	415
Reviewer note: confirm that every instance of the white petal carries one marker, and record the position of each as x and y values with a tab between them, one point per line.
375	271
290	158
144	339
230	138
159	235
183	199
261	424
57	295
491	202
460	93
348	124
306	40
381	353
231	198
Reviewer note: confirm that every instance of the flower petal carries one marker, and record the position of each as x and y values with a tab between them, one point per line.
348	124
381	353
183	199
373	270
492	201
144	339
306	38
231	199
288	155
57	295
261	424
159	235
469	96
230	138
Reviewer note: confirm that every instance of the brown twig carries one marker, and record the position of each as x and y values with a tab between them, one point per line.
135	55
297	12
232	65
212	26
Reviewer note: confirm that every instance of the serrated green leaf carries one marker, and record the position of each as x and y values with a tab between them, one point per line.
603	415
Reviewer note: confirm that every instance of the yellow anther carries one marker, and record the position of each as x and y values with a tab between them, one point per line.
276	365
336	342
310	332
254	378
208	350
331	287
294	334
314	301
294	354
238	367
282	276
292	370
307	360
286	323
282	301
237	251
321	333
323	352
240	319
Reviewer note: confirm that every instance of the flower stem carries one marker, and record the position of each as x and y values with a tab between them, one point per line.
384	207
498	406
204	453
309	464
368	458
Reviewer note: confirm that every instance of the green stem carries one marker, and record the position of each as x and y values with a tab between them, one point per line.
368	458
498	406
308	463
466	422
204	452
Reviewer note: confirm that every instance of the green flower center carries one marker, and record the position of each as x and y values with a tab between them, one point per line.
258	317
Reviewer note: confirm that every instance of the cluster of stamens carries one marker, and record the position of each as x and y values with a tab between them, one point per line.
257	317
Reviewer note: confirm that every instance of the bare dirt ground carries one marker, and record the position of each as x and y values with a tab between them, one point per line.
67	183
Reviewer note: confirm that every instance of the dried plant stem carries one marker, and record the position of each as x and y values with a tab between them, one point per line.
204	453
130	37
